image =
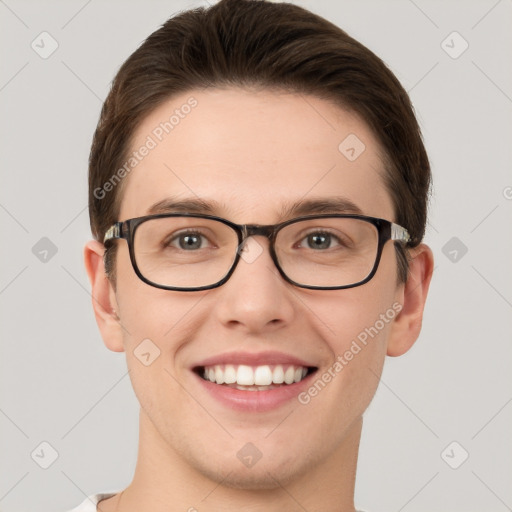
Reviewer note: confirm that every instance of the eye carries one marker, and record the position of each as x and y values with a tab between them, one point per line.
320	240
187	240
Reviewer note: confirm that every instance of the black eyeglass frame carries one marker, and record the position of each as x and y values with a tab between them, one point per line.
386	229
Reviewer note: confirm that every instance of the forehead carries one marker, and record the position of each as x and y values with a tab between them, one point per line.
252	154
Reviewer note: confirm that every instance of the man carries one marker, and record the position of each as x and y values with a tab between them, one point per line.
258	190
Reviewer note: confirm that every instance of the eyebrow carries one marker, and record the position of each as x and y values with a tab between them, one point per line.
336	204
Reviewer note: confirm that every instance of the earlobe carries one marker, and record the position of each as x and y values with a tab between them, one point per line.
103	297
412	295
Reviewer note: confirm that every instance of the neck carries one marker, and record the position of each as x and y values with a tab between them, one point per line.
162	477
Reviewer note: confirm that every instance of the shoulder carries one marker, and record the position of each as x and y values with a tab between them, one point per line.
90	503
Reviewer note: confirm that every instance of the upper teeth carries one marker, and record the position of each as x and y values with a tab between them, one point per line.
254	375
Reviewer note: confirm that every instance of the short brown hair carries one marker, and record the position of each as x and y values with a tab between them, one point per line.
259	44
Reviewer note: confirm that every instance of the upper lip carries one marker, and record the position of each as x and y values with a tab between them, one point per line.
254	359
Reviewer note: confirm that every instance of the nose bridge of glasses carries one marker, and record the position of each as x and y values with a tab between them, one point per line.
257	230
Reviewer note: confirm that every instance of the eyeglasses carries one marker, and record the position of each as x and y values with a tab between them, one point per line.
191	252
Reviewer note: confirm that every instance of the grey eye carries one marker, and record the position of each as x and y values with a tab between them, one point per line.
187	241
190	242
319	240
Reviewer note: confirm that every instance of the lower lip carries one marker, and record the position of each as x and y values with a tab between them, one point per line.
255	401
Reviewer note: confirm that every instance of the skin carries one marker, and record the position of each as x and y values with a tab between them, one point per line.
253	152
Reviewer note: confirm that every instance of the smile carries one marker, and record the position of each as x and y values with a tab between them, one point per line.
254	378
253	382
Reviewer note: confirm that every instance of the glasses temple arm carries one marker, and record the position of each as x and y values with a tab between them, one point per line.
398	233
113	232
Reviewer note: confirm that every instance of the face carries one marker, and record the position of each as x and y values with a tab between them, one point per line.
254	153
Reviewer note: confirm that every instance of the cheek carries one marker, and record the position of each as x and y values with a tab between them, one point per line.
341	391
146	311
156	324
355	324
358	316
156	330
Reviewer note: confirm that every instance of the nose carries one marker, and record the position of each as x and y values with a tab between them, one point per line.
255	298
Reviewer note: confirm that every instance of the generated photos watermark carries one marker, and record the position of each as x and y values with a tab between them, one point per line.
357	345
156	136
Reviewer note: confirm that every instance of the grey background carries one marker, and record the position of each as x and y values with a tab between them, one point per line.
60	385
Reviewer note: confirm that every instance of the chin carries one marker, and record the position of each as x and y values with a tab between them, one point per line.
266	474
251	479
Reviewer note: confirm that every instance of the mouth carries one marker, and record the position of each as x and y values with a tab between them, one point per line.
253	382
254	378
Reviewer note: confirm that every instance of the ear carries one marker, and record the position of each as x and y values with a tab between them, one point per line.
412	295
103	297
